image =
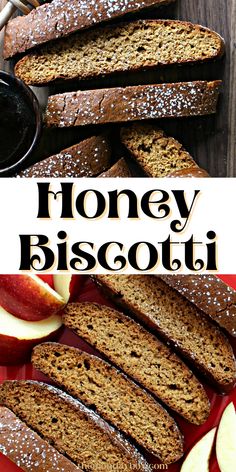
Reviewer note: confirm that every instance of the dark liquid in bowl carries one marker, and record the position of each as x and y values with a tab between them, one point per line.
17	125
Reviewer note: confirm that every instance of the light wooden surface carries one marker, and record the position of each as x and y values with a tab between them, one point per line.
211	140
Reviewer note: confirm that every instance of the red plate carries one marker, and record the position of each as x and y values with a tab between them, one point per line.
192	434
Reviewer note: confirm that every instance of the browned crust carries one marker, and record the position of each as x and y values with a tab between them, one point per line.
147	319
42	352
120	169
210	294
191	172
86	159
25	448
60	18
10	390
136	24
133	103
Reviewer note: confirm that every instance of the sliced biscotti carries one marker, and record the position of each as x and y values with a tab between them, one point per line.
86	159
172	316
70	427
119	169
113	396
27	449
141	102
156	154
126	47
210	294
63	17
193	172
140	355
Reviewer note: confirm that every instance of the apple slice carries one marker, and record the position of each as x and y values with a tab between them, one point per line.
28	297
226	440
67	285
18	337
199	456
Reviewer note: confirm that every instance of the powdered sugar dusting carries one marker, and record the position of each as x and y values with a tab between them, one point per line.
62	17
210	294
24	447
132	103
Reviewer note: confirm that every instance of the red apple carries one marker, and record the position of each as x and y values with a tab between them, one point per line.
28	297
67	285
198	458
18	337
48	278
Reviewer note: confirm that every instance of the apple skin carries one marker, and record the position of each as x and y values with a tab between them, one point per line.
15	351
67	285
48	278
28	297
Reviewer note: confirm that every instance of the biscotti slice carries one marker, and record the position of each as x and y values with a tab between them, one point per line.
140	355
193	172
86	159
25	448
70	427
210	294
119	169
131	46
143	102
156	154
113	396
172	316
63	17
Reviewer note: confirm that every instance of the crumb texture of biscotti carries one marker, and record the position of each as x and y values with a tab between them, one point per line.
210	294
140	355
133	103
119	169
86	159
127	47
70	427
113	396
26	449
63	17
172	316
157	154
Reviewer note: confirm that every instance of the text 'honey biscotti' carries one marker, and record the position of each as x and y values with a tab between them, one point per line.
157	154
86	159
63	17
140	355
113	396
25	448
142	44
70	427
143	102
172	316
210	294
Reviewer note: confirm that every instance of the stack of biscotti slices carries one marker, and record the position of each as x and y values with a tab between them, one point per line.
71	428
172	317
53	53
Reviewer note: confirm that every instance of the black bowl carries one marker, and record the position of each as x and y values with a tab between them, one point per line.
31	121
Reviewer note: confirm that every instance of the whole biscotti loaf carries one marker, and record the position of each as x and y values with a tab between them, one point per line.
210	294
86	159
63	17
113	396
126	47
119	169
172	316
141	102
157	154
140	355
70	427
25	448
